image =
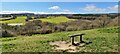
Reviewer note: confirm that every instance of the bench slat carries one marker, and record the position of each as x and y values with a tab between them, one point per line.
74	35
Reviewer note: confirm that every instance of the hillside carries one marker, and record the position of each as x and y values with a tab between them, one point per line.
101	41
21	19
55	20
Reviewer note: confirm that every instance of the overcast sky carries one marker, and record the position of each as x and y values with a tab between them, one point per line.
59	7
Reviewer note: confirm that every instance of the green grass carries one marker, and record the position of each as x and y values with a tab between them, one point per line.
4	18
110	30
55	19
19	19
101	42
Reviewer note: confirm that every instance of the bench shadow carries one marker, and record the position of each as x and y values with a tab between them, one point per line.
86	43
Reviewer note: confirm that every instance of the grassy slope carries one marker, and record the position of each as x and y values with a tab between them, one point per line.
4	18
19	19
55	19
101	41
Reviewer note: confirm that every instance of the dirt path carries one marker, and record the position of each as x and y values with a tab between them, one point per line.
64	46
13	24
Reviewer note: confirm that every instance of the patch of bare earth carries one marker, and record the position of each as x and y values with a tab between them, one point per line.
64	46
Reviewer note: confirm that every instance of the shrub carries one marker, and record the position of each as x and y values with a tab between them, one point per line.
46	30
6	33
114	22
72	28
59	28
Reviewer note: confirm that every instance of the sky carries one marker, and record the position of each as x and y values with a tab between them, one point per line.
59	7
60	0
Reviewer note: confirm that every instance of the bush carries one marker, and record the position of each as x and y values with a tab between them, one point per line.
5	33
46	30
72	28
59	28
114	22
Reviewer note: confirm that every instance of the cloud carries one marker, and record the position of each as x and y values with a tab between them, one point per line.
9	12
15	12
114	7
65	10
64	13
92	8
54	7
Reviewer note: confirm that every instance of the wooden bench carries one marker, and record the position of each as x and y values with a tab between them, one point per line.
75	35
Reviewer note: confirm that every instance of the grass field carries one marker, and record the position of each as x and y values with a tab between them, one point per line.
55	19
4	18
102	41
21	19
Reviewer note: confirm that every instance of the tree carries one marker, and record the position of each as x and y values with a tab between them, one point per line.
14	17
103	20
114	22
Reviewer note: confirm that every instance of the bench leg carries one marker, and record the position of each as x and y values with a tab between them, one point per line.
81	41
73	41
